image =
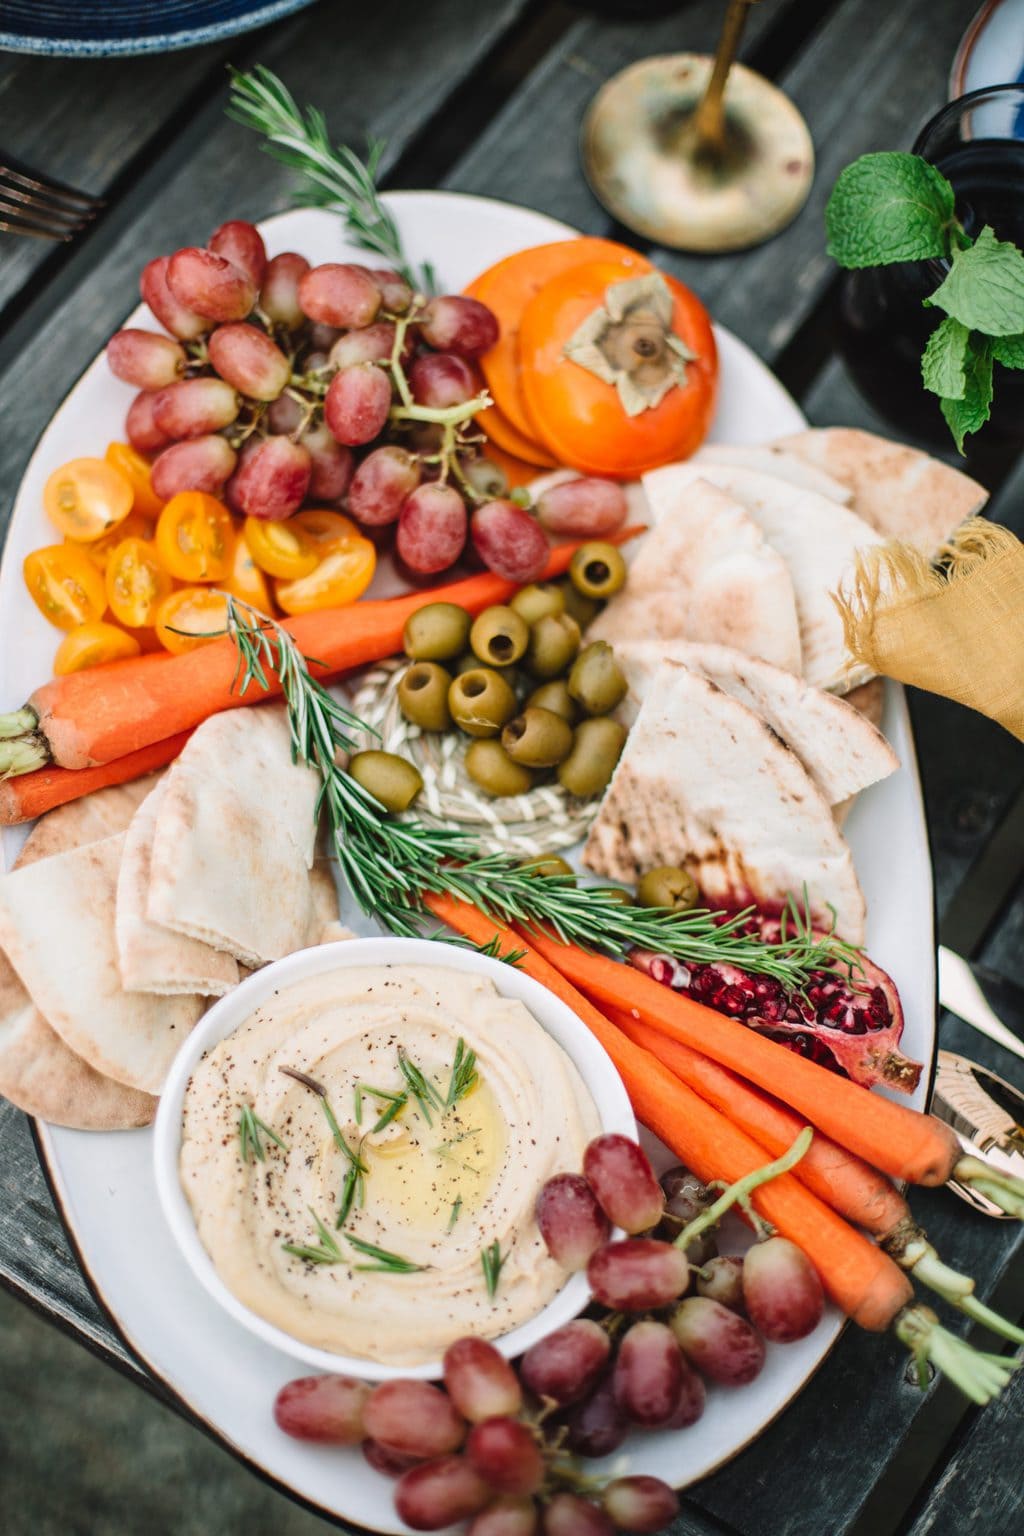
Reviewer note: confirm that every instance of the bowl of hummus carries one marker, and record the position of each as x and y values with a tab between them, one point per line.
350	1145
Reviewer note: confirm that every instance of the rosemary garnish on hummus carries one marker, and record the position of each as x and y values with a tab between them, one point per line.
326	1251
491	1260
251	1130
385	1262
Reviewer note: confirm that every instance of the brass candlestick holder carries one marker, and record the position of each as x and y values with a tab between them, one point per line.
698	153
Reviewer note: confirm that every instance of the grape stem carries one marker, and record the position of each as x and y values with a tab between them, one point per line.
740	1192
980	1376
442	415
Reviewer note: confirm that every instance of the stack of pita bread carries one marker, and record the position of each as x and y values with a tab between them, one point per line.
742	758
128	910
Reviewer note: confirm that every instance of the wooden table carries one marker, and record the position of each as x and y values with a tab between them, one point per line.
488	98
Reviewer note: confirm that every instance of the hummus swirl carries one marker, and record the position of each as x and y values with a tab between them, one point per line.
441	1183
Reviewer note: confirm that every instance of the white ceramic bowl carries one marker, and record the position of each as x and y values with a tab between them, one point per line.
589	1058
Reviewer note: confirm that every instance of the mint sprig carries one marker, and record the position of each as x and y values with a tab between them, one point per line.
896	207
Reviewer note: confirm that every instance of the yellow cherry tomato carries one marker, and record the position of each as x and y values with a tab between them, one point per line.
136	583
65	585
130	463
280	549
90	645
246	581
340	578
100	550
190	617
86	498
324	529
194	537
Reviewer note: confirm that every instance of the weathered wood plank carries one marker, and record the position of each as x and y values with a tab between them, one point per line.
975	1493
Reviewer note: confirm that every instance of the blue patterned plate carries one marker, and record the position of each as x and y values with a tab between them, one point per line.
81	28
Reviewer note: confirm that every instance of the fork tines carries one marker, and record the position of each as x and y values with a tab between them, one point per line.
46	209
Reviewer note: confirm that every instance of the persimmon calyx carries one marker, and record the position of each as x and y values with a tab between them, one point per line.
628	341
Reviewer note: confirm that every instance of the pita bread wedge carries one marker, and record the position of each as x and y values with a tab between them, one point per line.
233	844
101	814
869	700
901	492
705	784
152	958
841	750
771	459
817	538
57	930
706	572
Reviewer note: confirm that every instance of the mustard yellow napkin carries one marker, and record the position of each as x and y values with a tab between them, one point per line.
954	628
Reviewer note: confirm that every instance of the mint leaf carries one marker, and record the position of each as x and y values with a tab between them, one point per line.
984	288
1008	350
972	411
889	207
942	366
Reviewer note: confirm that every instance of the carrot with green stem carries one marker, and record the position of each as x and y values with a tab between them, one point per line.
27	795
862	1280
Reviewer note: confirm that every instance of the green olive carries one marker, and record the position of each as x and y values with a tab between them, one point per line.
668	886
596	748
583	609
596	681
619	896
538	600
538	738
554	641
597	570
499	636
481	702
437	632
556	697
490	767
423	695
390	779
549	864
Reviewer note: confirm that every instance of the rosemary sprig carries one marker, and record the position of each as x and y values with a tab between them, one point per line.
392	1112
422	1090
390	863
251	1130
358	1106
353	1186
463	1076
453	1218
392	1263
326	1251
491	1261
334	176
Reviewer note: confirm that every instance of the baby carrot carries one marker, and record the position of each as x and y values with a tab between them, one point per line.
32	794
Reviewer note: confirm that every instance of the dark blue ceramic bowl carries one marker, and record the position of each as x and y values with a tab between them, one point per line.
93	28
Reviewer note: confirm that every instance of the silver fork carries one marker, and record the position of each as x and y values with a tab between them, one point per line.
47	210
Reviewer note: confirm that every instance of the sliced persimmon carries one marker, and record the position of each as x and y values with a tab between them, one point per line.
501	431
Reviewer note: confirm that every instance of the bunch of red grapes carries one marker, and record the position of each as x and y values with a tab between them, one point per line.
497	1443
282	383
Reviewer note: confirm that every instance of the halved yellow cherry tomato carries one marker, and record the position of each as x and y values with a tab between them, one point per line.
280	549
194	537
246	581
90	645
340	578
190	618
65	585
100	550
136	583
130	463
86	498
324	528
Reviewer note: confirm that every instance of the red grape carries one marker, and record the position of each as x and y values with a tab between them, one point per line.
340	295
194	407
586	508
242	244
145	359
642	1504
413	1418
638	1273
781	1290
686	1198
571	1222
328	1408
597	1426
387	1463
648	1374
718	1342
284	415
373	344
315	362
566	1365
440	1493
431	528
691	1401
172	314
440	379
507	1516
619	1172
457	324
505	1453
272	479
279	291
381	483
509	541
480	1381
568	1514
140	426
332	464
394	290
357	403
322	337
721	1278
247	358
485	477
202	464
210	285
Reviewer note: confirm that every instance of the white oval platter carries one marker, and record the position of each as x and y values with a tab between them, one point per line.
104	1183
